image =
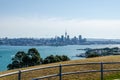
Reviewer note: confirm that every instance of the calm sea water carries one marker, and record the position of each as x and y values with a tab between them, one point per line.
7	52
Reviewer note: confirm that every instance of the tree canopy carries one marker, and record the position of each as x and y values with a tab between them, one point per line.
22	59
56	58
32	57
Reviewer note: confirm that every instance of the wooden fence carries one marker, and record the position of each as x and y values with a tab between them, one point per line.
60	74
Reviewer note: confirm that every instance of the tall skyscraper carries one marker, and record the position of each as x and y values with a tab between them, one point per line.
80	37
65	34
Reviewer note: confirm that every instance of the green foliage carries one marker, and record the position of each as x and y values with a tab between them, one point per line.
17	61
92	55
22	59
115	76
57	58
34	56
65	58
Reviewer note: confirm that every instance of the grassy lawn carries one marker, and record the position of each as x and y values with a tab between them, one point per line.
114	76
87	76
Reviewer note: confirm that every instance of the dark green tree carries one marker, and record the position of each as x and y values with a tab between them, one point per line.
22	59
17	60
26	61
57	58
65	58
92	55
49	59
34	56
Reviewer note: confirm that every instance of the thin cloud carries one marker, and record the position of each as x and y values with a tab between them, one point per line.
51	26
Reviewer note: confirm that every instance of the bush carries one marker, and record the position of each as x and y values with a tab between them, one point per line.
92	55
57	58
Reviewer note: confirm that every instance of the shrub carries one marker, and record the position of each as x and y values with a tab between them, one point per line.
92	55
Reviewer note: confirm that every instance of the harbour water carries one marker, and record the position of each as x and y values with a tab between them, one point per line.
7	52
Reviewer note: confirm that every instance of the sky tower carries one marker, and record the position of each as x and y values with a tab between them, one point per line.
65	34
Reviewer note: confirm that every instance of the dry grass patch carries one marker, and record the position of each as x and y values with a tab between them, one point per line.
87	76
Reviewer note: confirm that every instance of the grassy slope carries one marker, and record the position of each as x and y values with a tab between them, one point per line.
88	76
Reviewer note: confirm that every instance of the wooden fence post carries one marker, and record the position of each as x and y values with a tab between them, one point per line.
60	72
19	75
101	65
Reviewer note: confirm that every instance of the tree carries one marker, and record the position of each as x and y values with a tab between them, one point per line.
26	60
35	56
17	60
57	58
32	57
92	55
22	59
18	56
49	59
65	58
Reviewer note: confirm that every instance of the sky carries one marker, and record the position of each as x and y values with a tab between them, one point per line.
49	18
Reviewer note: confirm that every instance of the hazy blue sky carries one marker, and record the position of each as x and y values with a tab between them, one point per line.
48	18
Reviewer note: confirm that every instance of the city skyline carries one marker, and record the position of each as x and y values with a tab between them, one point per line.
56	41
49	18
